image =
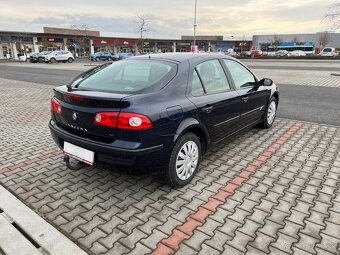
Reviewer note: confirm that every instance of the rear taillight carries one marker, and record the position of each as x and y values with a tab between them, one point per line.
56	106
123	120
106	119
133	121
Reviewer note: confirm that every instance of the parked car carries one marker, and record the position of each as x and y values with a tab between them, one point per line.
257	53
59	56
115	57
281	53
24	58
125	56
160	111
245	53
39	57
102	55
297	53
268	53
328	52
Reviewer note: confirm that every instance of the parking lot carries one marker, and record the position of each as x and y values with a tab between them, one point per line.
273	191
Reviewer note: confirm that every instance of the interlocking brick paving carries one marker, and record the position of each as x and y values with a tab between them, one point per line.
290	204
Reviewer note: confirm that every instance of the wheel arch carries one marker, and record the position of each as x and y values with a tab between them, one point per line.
193	126
276	96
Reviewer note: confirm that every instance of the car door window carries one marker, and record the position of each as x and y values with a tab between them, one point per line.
213	77
196	85
241	76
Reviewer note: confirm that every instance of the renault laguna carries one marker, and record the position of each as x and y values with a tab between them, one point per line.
161	112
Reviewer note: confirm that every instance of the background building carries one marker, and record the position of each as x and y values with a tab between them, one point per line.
317	40
83	42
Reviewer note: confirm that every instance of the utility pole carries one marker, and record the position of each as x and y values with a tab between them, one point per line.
195	25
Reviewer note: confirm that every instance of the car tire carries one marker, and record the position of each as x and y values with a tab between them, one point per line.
70	60
64	61
175	177
270	114
53	60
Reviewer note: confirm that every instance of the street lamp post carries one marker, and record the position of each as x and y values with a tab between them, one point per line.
195	25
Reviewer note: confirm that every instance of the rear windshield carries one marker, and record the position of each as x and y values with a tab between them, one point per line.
327	50
129	77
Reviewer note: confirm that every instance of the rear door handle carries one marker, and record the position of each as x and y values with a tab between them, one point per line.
245	99
208	108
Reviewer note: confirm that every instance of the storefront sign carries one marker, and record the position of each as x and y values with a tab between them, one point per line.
59	40
109	42
125	43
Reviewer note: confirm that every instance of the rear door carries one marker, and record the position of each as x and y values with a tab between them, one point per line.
218	104
254	98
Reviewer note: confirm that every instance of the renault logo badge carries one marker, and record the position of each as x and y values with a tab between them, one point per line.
75	117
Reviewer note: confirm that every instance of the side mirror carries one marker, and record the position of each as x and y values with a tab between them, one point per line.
266	82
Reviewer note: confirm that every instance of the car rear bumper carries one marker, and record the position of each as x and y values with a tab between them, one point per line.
109	153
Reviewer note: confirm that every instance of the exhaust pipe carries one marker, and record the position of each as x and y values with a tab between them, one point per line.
79	165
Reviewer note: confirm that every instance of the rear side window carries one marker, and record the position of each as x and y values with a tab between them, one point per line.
130	76
196	86
213	77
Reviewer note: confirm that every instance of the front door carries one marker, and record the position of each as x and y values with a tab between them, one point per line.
218	105
254	97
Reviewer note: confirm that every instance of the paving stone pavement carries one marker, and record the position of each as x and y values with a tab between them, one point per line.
291	204
301	77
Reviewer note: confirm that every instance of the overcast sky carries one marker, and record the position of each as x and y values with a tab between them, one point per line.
168	19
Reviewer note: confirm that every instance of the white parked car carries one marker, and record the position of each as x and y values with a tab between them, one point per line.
328	52
59	56
297	53
25	58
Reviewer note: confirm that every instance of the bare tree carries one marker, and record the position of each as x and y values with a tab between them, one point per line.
83	32
324	39
276	41
332	16
143	25
295	40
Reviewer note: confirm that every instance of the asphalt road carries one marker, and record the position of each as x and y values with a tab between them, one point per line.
304	68
307	103
37	75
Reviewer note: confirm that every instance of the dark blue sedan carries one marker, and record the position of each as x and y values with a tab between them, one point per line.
160	112
102	55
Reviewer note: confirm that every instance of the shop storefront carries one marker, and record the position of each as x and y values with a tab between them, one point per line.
15	46
50	43
242	46
79	47
183	47
125	46
103	45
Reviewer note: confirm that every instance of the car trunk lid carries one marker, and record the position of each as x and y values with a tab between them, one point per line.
79	108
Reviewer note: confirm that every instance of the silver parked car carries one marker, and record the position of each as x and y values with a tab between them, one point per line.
281	53
59	56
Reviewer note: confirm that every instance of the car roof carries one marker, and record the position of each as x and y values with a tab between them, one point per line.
181	57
